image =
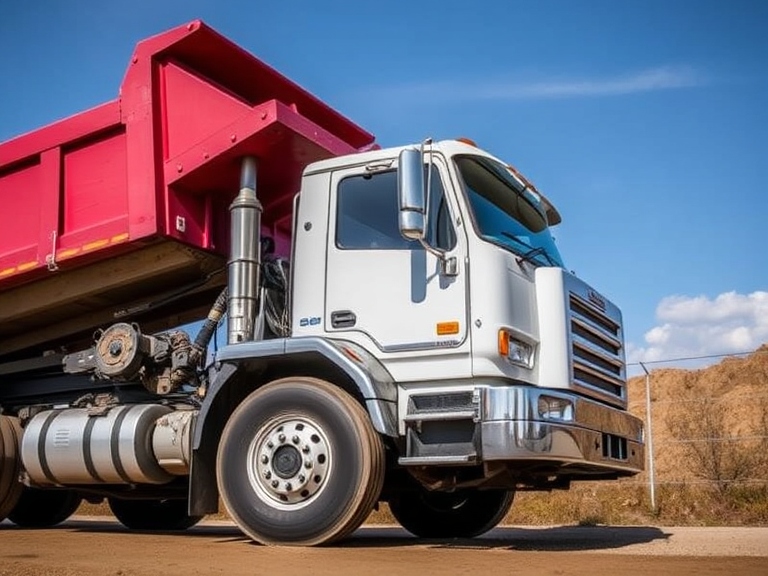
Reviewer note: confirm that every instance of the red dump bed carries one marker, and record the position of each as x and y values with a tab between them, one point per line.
116	209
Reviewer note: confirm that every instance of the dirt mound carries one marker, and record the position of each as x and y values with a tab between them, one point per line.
734	392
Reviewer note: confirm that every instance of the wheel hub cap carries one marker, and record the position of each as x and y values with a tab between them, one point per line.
290	460
287	461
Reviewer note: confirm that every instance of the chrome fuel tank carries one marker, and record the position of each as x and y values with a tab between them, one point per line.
72	446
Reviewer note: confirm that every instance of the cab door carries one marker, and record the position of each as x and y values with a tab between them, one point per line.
387	293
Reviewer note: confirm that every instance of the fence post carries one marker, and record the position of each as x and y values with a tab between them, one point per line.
649	435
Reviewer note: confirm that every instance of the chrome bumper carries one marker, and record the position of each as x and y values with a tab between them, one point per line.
534	424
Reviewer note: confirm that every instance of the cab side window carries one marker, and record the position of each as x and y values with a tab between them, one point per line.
367	214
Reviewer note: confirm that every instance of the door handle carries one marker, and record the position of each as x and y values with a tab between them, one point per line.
343	319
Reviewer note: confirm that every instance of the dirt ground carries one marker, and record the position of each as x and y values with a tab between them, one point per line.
100	546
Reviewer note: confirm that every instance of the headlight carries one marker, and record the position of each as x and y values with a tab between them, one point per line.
515	350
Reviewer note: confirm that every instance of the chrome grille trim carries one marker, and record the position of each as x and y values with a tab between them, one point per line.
597	355
611	345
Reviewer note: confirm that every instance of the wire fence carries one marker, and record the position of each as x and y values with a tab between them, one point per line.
702	438
680	359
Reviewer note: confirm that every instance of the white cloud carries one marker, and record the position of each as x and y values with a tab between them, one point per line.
700	326
649	80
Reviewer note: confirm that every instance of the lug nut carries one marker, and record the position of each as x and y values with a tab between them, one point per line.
275	483
268	475
264	459
295	439
305	449
302	478
281	438
308	464
288	486
270	444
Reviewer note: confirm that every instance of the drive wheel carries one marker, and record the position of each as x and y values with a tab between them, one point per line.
153	514
10	464
44	508
460	514
299	463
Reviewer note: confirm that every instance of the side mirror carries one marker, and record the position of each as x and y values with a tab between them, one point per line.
411	194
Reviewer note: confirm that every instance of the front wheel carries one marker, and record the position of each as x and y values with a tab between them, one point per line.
153	514
460	514
299	463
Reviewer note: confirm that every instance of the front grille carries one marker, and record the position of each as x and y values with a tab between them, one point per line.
447	402
596	349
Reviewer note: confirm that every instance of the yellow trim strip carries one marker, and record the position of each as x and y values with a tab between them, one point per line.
67	253
95	244
26	266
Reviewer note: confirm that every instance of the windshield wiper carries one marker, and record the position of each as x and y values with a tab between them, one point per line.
532	252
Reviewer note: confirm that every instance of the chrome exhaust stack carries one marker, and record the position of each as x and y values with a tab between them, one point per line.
245	255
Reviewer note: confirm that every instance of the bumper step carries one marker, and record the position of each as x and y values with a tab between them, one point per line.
451	460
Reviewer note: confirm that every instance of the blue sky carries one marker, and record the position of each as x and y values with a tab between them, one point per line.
646	122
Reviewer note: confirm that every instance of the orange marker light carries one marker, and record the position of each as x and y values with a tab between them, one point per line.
467	141
503	343
447	328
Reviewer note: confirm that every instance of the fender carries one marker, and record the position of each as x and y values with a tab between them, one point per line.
345	363
372	380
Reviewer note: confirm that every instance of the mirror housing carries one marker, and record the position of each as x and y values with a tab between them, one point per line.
411	194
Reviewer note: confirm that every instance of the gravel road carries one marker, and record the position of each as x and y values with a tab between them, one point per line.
99	546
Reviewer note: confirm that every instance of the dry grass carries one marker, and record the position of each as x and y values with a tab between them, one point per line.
622	503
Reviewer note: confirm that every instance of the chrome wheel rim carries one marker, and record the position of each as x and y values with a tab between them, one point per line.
289	461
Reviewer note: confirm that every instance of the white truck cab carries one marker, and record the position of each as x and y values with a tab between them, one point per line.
498	353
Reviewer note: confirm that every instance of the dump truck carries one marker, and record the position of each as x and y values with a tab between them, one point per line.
397	324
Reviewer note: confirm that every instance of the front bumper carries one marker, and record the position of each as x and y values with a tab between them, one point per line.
561	430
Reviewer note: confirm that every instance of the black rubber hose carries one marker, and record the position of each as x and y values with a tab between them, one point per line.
203	338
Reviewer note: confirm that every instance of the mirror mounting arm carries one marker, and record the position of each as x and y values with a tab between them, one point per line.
448	264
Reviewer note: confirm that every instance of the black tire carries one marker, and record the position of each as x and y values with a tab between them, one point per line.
460	514
44	508
169	515
10	465
299	463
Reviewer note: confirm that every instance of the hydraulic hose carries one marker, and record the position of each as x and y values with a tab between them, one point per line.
206	332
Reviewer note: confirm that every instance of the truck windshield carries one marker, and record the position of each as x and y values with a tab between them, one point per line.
505	215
